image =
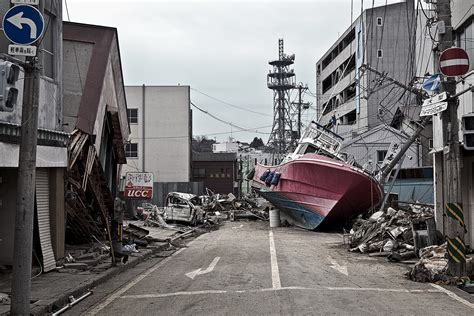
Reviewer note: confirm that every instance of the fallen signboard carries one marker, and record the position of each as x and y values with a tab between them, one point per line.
138	185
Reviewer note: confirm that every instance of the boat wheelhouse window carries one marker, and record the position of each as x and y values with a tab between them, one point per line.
310	149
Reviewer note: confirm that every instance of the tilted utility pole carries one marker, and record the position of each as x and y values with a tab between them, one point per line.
300	104
453	227
25	202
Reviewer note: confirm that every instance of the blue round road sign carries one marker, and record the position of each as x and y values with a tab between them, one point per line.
23	24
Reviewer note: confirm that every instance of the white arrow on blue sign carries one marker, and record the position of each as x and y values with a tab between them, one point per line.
23	24
433	83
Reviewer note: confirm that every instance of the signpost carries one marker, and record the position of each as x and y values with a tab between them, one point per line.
454	62
432	84
23	25
138	185
435	104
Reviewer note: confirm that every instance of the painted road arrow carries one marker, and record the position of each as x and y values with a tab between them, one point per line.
197	272
336	266
18	20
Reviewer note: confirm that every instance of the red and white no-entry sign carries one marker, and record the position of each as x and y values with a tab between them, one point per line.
454	62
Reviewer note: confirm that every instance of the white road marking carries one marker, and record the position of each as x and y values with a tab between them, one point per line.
235	227
336	266
453	295
96	309
209	269
273	259
208	292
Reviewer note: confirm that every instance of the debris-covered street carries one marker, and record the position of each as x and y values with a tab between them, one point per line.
247	268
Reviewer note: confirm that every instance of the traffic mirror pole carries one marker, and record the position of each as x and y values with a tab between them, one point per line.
454	227
25	202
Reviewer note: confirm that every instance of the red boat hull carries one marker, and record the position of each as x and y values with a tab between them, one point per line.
316	191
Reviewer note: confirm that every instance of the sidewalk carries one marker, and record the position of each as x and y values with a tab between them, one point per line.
51	291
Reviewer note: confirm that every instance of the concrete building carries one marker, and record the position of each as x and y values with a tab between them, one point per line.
51	158
463	28
352	100
161	132
218	171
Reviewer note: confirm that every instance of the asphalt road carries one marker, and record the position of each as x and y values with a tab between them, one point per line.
246	268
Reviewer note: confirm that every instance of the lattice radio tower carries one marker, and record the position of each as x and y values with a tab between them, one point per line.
281	79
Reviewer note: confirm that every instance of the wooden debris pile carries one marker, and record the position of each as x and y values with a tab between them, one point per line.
394	233
89	201
228	206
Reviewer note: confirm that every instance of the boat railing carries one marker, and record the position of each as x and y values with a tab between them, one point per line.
324	138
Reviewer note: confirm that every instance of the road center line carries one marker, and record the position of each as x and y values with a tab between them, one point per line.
273	258
453	295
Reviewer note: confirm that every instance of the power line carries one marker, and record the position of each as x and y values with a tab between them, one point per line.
222	120
229	104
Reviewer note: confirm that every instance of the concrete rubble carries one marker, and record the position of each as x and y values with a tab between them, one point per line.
395	234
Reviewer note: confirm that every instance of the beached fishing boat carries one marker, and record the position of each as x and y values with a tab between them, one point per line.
317	185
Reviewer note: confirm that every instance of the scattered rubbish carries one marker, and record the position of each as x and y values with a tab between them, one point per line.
72	301
432	265
395	234
4	299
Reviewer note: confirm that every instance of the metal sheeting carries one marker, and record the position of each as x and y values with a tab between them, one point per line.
42	202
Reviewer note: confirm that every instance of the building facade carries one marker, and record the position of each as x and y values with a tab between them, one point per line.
161	132
51	160
218	171
351	99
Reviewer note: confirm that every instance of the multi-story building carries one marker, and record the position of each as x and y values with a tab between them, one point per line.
161	132
353	100
51	160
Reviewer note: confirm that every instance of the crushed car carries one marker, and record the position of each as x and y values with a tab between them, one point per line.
184	207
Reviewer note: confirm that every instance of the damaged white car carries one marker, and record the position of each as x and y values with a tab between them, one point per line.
184	207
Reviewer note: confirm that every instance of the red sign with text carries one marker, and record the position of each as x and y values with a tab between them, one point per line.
138	185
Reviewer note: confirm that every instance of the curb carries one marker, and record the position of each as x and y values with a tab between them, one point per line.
48	306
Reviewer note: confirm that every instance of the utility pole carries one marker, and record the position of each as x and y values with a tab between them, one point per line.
300	104
453	228
25	202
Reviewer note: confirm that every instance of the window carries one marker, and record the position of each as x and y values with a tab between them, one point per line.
132	115
199	173
381	156
379	21
47	44
430	143
131	150
379	53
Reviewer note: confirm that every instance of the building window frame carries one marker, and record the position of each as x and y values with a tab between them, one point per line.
132	115
379	21
379	53
131	150
381	154
49	38
199	172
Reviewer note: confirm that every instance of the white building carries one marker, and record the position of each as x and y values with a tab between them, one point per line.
161	132
226	147
358	100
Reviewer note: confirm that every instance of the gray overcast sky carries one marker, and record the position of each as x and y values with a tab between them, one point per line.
221	48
